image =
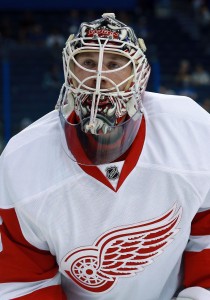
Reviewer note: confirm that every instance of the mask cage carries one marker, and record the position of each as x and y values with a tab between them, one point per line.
137	80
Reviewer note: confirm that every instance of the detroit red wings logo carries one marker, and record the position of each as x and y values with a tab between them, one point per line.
120	252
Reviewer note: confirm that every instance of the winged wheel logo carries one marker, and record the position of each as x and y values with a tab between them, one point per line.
121	252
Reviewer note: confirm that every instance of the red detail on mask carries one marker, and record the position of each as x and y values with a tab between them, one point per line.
102	33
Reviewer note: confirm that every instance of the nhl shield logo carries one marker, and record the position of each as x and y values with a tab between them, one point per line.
112	173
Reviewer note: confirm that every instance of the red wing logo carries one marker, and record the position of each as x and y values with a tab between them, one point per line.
120	252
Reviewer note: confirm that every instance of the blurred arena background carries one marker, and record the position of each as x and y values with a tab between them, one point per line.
33	33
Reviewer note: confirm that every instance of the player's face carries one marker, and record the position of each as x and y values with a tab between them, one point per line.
114	69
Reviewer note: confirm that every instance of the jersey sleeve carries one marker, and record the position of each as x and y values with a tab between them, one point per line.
27	272
197	256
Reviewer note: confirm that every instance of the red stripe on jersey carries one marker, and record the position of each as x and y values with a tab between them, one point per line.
196	268
49	293
129	164
133	154
19	260
201	223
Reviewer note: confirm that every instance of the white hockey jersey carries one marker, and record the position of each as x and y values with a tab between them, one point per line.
133	229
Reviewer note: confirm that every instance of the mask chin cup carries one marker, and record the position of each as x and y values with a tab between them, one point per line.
91	149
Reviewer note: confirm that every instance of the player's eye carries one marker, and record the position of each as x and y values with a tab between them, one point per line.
113	65
89	64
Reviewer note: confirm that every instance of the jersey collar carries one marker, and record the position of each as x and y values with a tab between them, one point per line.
130	162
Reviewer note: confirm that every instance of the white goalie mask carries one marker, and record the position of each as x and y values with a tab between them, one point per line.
106	74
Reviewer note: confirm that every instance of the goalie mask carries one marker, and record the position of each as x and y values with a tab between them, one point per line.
100	103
